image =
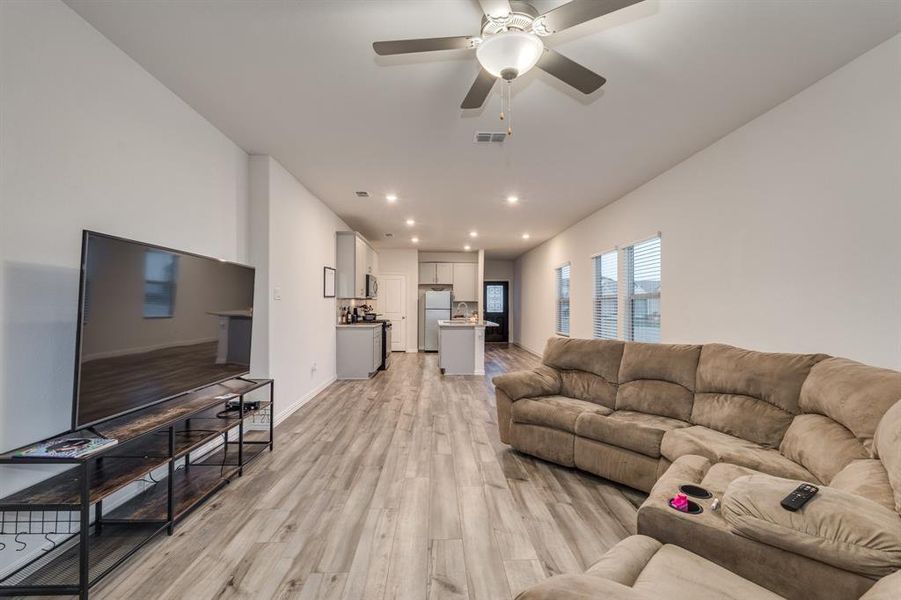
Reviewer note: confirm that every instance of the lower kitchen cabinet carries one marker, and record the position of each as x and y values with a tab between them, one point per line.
359	350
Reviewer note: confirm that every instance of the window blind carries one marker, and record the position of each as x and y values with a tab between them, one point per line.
643	271
606	296
562	283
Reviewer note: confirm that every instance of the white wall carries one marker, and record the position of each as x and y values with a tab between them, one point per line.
405	262
783	235
88	139
296	240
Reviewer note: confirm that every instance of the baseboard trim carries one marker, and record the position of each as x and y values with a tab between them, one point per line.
295	406
529	350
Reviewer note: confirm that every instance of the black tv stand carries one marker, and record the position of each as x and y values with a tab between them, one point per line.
176	434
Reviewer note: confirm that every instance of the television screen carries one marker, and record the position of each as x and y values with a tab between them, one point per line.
155	323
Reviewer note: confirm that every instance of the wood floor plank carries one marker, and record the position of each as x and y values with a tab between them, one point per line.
447	571
393	488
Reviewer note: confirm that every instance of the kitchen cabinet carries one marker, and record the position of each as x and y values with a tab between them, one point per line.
444	273
359	350
465	278
436	273
355	259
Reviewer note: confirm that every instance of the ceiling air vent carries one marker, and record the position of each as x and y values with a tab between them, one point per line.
488	137
362	194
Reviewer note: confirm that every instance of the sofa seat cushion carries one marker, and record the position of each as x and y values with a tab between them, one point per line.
722	447
558	412
636	431
641	568
676	573
835	527
866	478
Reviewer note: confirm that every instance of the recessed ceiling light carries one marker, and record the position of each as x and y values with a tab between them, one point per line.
391	197
414	239
526	236
411	222
467	247
473	234
512	199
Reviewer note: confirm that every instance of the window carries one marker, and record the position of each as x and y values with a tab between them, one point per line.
562	284
159	284
606	296
494	298
642	266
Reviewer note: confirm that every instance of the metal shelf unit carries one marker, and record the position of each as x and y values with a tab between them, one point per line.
169	435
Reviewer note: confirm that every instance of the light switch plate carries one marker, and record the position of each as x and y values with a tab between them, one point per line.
277	293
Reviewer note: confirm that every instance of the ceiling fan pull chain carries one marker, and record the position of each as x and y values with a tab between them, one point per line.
509	110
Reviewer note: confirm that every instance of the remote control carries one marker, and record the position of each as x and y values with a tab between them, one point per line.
799	497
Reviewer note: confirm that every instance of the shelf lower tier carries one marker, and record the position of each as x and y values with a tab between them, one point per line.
190	485
108	549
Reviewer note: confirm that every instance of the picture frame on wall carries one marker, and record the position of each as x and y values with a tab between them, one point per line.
328	282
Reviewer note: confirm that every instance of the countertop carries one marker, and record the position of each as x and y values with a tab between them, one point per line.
470	324
369	325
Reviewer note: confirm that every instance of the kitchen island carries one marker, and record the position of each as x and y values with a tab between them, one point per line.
461	346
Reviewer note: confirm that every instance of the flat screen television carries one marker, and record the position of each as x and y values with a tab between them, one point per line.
153	324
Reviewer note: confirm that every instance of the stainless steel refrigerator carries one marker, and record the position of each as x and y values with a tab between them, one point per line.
437	308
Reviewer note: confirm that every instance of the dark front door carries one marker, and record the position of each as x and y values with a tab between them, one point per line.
497	309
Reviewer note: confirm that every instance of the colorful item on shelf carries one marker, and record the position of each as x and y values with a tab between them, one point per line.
67	447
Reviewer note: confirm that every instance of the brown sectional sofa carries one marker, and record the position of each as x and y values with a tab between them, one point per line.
742	424
641	568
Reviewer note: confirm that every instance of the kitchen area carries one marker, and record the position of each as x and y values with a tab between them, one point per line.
450	301
446	317
363	339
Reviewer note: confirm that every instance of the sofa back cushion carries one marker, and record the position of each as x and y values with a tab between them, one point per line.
852	394
888	448
658	379
589	369
751	395
822	445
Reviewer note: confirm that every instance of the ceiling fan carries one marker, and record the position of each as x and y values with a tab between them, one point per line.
511	44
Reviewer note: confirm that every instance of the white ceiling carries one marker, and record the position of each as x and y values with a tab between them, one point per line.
298	80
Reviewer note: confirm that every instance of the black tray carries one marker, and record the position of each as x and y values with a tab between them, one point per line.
695	491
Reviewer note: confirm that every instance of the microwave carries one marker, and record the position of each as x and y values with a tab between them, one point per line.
372	286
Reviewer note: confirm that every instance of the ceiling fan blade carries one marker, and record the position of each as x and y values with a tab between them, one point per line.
480	89
570	72
578	11
495	8
462	42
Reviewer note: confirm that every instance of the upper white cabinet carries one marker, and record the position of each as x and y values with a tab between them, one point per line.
355	259
426	273
437	273
465	282
463	276
444	273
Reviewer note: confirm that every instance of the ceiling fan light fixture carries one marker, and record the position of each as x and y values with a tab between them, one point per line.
509	54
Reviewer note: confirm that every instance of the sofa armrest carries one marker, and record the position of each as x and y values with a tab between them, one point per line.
541	381
835	527
579	587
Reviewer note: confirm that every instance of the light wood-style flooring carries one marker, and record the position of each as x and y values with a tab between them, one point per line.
396	487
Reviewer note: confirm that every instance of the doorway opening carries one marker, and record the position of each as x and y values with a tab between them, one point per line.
497	309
